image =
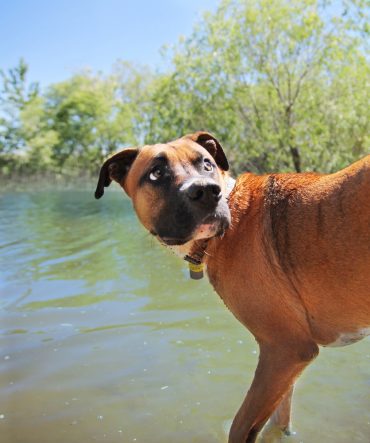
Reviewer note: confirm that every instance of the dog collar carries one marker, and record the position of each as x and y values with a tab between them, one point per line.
196	255
195	259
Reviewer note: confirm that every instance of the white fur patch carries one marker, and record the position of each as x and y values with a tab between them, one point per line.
202	232
347	338
182	250
205	231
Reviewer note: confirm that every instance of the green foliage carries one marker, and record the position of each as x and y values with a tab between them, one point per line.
74	124
14	97
283	84
94	116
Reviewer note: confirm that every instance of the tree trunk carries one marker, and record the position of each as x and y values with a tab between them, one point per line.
296	157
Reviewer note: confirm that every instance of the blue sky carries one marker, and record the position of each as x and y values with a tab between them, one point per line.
60	37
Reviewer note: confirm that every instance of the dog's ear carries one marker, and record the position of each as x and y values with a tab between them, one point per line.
213	146
115	168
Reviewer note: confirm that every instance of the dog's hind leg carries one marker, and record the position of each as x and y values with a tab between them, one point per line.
278	368
279	423
281	417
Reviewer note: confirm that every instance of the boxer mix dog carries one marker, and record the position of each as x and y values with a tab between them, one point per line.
289	254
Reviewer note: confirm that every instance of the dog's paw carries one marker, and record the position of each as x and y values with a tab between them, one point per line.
273	434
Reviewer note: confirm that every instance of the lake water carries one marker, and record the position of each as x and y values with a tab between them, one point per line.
105	338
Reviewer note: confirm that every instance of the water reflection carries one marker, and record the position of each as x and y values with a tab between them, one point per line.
104	337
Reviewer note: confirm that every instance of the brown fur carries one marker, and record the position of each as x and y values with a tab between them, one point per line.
293	267
298	261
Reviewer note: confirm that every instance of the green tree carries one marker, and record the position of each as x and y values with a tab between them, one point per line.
263	74
94	115
283	84
15	95
39	138
23	141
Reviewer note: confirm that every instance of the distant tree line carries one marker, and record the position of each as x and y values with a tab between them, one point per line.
284	85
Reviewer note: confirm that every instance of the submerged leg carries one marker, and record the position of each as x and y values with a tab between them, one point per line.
277	369
279	423
281	417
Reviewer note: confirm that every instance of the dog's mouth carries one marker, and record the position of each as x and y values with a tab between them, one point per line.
210	227
181	224
170	241
173	241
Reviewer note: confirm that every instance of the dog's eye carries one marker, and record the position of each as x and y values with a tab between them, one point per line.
208	165
156	174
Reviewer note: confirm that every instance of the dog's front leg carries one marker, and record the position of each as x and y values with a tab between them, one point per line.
278	367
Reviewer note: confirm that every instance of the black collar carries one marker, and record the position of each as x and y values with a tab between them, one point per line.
197	252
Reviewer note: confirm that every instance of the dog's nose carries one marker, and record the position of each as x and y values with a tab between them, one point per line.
204	192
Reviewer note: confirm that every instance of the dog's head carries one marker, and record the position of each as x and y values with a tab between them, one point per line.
177	188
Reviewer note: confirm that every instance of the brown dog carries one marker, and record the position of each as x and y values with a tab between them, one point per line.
288	253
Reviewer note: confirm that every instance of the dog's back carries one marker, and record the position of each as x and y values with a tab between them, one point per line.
320	229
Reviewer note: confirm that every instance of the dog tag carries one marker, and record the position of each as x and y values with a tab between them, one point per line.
196	271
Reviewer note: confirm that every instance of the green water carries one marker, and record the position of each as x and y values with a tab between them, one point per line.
104	338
